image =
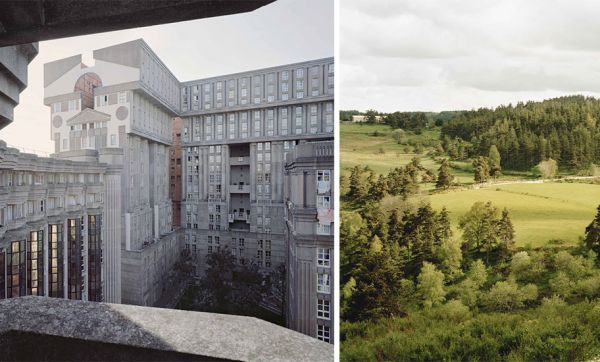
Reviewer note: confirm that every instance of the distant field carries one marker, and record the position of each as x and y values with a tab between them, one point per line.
540	212
359	146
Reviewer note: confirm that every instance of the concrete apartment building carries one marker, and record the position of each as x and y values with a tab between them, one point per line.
237	132
310	201
124	102
51	216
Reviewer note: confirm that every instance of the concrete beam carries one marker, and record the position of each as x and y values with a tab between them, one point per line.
27	21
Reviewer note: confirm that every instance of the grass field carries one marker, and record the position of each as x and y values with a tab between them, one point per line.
359	146
540	212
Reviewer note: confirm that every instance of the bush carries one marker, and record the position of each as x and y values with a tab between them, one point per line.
520	265
572	266
506	296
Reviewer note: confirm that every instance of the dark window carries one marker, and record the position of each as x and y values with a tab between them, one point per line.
16	269
75	258
55	261
2	275
35	263
94	258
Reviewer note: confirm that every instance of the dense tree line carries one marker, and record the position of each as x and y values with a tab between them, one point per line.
478	295
363	185
565	129
388	257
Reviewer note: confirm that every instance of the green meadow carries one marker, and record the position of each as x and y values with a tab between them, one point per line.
373	145
540	212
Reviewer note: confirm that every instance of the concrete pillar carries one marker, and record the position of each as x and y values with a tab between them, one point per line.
65	259
45	264
85	241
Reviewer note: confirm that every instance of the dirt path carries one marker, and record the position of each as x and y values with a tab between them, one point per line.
500	183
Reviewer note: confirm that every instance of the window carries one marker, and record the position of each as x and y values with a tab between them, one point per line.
323	229
113	139
323	257
323	202
122	97
323	309
323	333
285	75
323	283
300	73
323	175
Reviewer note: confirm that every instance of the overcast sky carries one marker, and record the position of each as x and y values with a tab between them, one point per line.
285	31
444	55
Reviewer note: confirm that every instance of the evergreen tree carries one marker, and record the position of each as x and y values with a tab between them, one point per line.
479	227
592	233
481	169
494	158
378	189
445	178
506	232
395	226
358	188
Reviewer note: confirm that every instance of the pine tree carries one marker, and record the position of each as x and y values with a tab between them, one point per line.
445	178
592	234
506	232
481	169
395	226
358	188
494	158
479	228
378	189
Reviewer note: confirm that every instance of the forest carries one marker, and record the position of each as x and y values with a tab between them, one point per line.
421	282
564	129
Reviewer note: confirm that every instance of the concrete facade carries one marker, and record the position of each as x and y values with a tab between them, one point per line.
125	102
175	171
51	238
239	138
13	77
237	130
310	201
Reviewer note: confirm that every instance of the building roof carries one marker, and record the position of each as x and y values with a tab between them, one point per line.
88	115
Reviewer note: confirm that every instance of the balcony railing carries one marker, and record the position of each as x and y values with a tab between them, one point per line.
239	161
239	189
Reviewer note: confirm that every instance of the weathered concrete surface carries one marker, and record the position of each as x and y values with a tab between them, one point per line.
201	334
36	20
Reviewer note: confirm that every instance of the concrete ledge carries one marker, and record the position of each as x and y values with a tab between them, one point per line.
203	335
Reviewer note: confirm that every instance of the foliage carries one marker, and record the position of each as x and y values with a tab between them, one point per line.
592	233
444	179
547	168
564	129
431	285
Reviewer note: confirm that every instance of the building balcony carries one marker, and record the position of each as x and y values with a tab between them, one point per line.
38	328
239	216
239	161
239	189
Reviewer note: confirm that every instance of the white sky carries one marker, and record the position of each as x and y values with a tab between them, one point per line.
285	31
410	55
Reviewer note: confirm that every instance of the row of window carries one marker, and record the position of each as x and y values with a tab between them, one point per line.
22	268
211	127
21	178
193	96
